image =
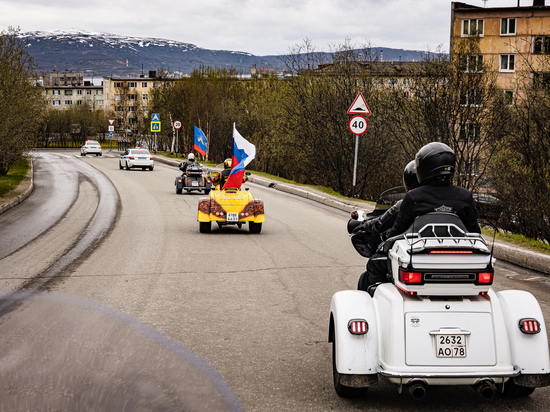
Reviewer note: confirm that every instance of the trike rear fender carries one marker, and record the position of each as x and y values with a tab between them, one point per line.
355	354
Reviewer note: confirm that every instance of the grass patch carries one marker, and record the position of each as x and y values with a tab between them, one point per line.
518	240
15	175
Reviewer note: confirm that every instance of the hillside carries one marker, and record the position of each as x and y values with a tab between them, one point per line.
103	54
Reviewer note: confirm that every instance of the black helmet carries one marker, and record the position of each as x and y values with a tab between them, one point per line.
409	176
435	160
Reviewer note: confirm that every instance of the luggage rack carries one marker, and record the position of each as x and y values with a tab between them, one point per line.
443	234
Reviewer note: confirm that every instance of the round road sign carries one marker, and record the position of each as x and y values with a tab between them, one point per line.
177	124
358	125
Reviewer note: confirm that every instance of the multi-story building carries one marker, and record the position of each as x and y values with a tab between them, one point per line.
512	40
63	97
66	78
128	98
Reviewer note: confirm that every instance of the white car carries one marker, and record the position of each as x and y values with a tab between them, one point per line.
136	158
90	147
440	322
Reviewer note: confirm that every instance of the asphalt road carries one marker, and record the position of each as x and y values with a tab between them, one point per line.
157	316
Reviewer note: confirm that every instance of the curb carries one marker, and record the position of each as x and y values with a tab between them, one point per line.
22	196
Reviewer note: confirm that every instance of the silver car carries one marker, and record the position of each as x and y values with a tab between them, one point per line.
136	158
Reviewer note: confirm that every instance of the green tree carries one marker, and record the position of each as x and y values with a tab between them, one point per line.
21	102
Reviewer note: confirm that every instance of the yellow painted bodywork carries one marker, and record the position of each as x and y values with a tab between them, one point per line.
220	202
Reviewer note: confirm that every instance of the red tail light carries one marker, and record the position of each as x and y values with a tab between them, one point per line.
529	326
485	278
410	277
450	252
358	326
131	157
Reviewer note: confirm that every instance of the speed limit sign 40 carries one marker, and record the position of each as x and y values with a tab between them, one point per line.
358	125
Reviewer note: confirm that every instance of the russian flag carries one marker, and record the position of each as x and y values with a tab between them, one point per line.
200	141
243	153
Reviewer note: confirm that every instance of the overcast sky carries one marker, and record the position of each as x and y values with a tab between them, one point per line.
260	27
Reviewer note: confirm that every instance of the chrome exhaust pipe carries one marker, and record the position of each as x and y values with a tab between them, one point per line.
417	390
486	389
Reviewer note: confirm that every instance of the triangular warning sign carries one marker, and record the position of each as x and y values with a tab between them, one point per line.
359	106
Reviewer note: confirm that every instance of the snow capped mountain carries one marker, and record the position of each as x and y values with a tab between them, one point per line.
102	54
106	54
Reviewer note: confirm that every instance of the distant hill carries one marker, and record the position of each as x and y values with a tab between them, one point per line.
103	54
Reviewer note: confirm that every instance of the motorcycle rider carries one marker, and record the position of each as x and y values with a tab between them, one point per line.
221	178
435	166
190	161
380	224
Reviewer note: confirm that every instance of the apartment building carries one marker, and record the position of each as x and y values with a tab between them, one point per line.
64	97
512	40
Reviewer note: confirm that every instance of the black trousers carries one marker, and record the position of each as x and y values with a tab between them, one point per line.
377	271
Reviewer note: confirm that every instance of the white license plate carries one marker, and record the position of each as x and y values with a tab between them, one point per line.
450	346
194	183
232	217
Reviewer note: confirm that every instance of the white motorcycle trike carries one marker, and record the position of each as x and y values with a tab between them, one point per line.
439	322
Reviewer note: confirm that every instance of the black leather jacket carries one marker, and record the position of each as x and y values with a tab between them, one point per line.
436	196
383	222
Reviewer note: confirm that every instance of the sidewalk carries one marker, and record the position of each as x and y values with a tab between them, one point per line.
503	251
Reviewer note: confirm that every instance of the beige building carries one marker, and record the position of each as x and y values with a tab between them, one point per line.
128	98
64	97
512	40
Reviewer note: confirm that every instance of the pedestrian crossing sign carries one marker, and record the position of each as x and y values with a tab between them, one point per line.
155	126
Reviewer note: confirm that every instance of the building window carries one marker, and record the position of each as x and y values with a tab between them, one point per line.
55	92
471	98
155	84
118	85
541	45
508	97
144	109
470	132
472	27
131	108
56	103
472	63
541	80
132	84
79	92
144	85
88	92
144	96
118	109
78	102
99	102
68	92
118	97
507	62
132	97
99	92
68	102
508	27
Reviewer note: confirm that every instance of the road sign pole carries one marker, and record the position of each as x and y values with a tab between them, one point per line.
355	165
